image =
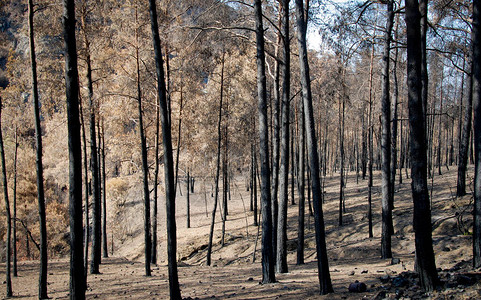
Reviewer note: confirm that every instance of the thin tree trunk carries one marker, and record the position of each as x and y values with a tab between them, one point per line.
179	126
321	249
145	166
476	38
268	275
104	198
86	179
394	121
464	143
426	265
153	252
370	146
386	140
254	175
15	269
96	201
188	199
341	154
77	276
217	171
42	280
276	136
168	159
302	200
281	259
8	248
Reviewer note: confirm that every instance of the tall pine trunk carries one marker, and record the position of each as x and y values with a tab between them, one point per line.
217	170
77	276
268	275
302	200
464	142
8	248
42	280
386	140
476	37
145	170
281	261
168	158
426	265
96	201
321	249
105	251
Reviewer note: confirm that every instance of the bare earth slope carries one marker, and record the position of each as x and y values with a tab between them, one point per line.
353	256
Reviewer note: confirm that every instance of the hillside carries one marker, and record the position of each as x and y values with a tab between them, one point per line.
353	256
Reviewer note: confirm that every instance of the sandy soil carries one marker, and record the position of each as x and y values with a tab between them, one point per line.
353	256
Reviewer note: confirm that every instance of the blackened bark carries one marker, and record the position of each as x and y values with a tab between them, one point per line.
145	174
423	9
96	201
153	252
281	259
386	140
86	180
42	280
464	143
15	269
188	199
321	249
8	248
371	148
476	37
394	122
341	152
268	275
217	171
302	200
276	138
77	276
426	265
254	184
168	159
105	251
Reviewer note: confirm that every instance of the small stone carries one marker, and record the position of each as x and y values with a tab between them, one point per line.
357	287
400	281
250	279
364	271
352	273
385	278
395	261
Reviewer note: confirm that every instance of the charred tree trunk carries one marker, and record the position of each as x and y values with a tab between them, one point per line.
302	200
426	265
42	280
145	166
321	249
153	254
464	143
217	172
77	276
86	179
188	199
281	261
105	250
276	137
8	248
96	201
386	140
15	271
168	159
370	147
268	275
476	37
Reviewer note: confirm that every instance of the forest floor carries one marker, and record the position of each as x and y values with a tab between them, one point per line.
352	254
